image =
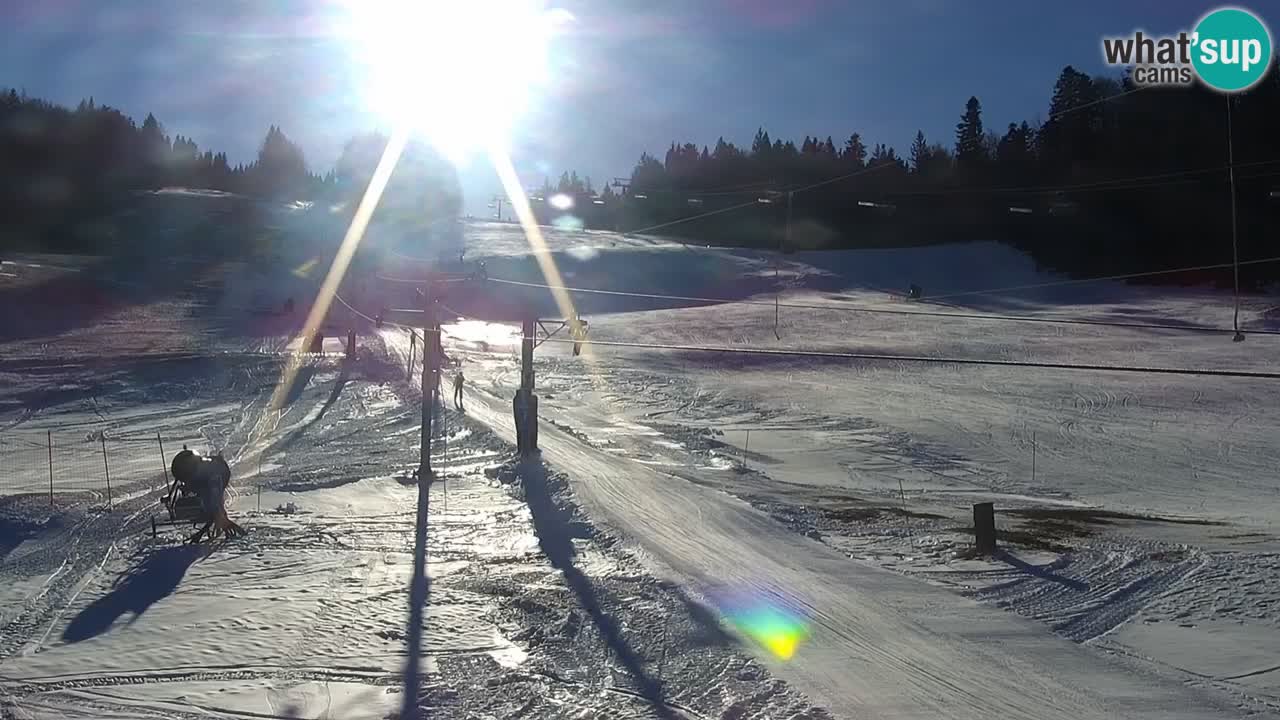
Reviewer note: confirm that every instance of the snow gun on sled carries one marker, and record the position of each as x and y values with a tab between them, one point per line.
197	495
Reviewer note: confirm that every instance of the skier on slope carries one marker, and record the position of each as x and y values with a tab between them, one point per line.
458	381
578	331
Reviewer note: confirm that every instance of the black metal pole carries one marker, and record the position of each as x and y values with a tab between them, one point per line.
105	468
1235	246
430	362
50	432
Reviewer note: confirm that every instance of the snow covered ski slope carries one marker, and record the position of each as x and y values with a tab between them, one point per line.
1145	487
1137	576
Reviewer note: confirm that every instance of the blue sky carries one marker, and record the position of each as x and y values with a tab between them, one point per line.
631	75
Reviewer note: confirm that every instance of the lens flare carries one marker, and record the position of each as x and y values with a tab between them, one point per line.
778	629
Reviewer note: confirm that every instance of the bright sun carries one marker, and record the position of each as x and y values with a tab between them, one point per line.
460	72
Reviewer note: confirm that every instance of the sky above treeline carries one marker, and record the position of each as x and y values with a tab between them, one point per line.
626	76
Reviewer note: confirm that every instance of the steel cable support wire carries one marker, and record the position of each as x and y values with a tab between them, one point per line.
891	311
1150	370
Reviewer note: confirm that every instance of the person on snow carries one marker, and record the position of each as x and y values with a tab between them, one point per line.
458	381
578	331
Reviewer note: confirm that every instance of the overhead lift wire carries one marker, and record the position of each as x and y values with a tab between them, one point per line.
779	352
894	311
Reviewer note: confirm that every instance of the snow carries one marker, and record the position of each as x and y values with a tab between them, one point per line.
880	642
940	436
1137	576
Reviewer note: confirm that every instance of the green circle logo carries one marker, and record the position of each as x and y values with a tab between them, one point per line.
1231	49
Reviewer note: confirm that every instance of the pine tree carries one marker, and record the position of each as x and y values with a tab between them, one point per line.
648	174
919	153
855	152
1068	138
281	168
970	152
155	152
761	145
1015	153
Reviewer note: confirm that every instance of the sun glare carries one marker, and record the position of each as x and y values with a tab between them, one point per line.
460	72
560	201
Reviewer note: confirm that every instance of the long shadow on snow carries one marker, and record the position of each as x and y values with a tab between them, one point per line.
166	377
152	580
294	392
419	594
1041	571
14	531
554	529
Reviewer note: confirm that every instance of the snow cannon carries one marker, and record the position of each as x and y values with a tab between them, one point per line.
197	495
184	466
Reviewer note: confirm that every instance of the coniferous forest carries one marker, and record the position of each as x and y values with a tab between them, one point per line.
1110	178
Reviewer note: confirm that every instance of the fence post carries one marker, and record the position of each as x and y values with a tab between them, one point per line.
662	663
1033	459
413	342
50	468
746	449
106	469
164	466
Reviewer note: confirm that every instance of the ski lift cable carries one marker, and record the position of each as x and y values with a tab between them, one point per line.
374	320
925	359
1099	101
1093	185
691	218
1150	370
892	311
1125	276
753	203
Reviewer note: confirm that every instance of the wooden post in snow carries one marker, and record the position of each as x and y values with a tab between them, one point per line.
1033	458
984	527
164	465
106	469
50	433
